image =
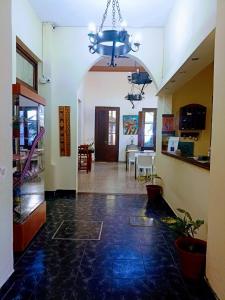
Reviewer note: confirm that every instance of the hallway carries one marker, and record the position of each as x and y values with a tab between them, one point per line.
109	178
90	249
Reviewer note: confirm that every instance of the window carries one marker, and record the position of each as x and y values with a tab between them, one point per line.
147	129
112	128
26	68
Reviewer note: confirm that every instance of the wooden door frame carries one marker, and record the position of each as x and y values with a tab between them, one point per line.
141	128
117	109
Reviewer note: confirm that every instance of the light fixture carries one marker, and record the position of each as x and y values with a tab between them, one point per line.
138	81
115	42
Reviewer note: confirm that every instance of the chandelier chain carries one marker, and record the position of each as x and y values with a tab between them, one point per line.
113	14
119	12
105	14
115	6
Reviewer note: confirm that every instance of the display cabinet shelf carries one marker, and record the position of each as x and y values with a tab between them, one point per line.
29	208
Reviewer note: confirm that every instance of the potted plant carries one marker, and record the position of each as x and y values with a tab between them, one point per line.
191	251
153	187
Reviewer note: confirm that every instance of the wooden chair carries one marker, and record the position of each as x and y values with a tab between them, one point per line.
83	158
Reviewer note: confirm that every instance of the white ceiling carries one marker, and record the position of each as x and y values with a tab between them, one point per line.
137	13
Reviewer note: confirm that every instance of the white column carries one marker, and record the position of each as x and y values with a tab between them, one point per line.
216	222
6	202
45	90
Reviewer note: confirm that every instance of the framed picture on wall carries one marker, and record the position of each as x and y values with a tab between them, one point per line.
130	124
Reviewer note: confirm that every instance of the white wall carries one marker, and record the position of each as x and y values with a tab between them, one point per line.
109	89
189	24
6	207
70	61
216	236
27	27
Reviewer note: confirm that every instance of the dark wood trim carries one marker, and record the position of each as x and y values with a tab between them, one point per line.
108	108
65	194
191	161
116	69
20	89
20	50
141	129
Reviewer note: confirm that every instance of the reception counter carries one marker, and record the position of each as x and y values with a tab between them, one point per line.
190	160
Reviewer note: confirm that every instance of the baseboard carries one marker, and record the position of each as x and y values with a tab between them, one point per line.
49	195
65	194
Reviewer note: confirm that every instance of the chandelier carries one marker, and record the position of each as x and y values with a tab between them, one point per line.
116	42
138	81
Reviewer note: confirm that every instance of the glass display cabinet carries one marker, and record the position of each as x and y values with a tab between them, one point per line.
29	208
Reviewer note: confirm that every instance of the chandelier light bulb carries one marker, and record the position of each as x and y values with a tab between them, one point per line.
130	39
100	34
92	28
137	38
123	24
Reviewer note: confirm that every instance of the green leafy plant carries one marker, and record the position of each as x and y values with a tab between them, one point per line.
185	225
151	179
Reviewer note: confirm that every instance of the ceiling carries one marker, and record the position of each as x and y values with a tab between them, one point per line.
79	13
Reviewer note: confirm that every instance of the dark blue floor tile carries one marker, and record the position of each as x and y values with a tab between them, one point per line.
128	269
129	262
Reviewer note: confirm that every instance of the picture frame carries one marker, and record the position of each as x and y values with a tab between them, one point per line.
130	124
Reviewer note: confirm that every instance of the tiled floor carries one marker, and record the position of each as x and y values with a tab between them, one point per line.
128	262
109	178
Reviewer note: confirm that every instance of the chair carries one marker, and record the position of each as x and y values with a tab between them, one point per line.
83	158
131	158
130	154
145	165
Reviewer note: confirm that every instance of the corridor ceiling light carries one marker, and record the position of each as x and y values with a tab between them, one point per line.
115	42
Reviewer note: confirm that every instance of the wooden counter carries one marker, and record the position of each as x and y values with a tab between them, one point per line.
192	161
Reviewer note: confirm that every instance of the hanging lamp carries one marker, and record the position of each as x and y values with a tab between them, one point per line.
115	42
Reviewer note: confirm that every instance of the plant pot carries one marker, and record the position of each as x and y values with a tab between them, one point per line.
154	192
192	262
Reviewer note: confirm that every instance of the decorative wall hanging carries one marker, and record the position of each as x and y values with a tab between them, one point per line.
64	130
168	123
130	124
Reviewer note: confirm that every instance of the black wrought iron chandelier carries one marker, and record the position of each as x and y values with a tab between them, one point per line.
115	42
138	81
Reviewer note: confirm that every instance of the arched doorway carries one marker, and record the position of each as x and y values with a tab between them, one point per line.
103	87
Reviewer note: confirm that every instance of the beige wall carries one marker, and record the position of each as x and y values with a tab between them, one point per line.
216	235
184	185
199	90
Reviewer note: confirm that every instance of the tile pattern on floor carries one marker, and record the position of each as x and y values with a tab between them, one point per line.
79	230
129	262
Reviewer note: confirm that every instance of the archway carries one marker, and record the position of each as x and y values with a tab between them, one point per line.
86	112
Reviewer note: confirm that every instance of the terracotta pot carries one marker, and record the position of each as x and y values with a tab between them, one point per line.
192	262
154	192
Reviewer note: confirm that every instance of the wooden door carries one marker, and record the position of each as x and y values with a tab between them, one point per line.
107	133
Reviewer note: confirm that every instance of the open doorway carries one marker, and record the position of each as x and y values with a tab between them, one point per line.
104	91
